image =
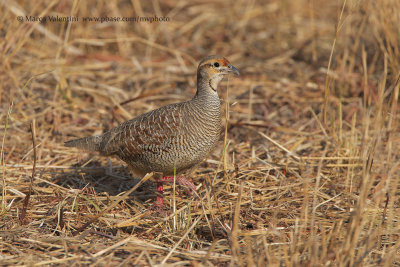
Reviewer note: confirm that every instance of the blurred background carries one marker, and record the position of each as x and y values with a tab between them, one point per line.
282	48
314	110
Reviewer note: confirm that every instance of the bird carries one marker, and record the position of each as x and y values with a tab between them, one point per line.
170	139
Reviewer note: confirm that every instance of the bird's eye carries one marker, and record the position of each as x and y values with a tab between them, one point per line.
216	64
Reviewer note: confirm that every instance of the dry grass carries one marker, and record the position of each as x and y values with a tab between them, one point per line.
310	172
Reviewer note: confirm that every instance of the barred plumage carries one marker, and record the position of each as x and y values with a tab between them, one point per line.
177	136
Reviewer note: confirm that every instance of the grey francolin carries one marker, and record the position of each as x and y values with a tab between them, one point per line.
177	136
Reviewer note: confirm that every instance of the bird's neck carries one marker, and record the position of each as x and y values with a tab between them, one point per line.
206	104
207	89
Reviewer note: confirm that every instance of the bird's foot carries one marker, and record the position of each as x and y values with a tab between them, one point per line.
158	208
187	184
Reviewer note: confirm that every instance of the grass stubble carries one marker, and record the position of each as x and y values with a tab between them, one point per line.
308	170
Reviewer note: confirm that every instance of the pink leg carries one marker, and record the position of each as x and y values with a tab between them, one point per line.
159	205
160	191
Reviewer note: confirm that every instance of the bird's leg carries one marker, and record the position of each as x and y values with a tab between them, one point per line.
158	207
160	191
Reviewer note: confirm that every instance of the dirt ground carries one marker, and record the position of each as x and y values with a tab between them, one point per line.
306	173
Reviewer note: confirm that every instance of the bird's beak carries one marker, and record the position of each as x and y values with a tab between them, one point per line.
233	69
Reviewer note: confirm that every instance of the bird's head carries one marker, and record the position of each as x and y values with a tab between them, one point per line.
212	70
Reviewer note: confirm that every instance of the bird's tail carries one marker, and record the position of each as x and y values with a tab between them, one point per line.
90	143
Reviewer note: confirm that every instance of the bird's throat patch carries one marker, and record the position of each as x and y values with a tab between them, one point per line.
211	85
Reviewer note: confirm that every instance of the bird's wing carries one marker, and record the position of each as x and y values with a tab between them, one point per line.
148	132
